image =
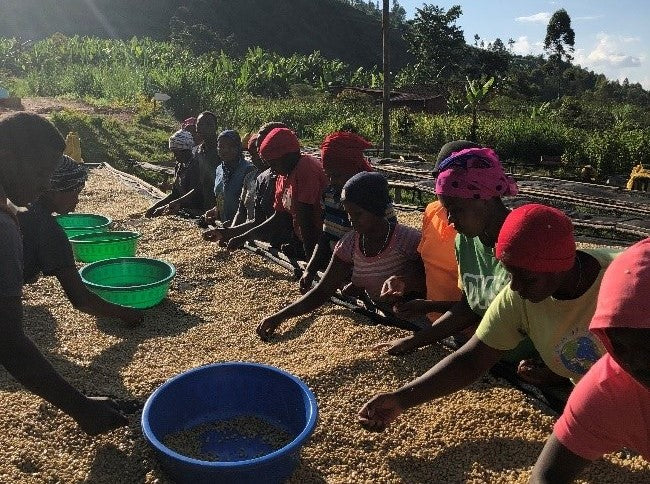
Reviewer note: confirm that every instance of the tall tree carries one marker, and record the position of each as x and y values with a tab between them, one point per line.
435	41
559	42
560	37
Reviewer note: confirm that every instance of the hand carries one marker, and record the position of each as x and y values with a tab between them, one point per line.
210	216
132	317
306	281
401	346
412	309
393	289
379	412
216	235
535	372
236	243
267	327
99	415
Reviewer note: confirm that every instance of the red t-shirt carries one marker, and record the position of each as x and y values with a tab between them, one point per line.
305	184
607	410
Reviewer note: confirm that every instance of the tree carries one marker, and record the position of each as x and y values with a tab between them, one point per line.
559	42
560	37
477	93
435	41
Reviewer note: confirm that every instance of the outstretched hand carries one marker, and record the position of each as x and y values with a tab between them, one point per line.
379	412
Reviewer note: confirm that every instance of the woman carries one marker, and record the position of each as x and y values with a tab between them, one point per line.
46	248
186	179
342	157
477	216
30	148
610	407
551	299
373	251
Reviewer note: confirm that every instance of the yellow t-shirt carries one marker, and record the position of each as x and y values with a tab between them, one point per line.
559	329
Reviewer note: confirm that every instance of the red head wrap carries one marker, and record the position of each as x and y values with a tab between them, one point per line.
343	152
537	238
279	142
251	142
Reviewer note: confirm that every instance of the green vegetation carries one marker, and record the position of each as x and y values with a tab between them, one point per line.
595	122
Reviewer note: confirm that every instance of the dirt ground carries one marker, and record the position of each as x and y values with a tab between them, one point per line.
489	432
47	105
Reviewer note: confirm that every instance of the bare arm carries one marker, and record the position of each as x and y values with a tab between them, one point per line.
305	219
88	302
319	260
556	464
459	317
453	373
276	222
26	363
336	273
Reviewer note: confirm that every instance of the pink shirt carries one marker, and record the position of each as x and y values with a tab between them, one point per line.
369	273
304	184
607	410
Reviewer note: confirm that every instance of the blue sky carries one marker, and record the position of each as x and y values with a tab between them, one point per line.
611	37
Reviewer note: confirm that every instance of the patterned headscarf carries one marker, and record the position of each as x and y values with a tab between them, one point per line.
181	140
343	152
474	173
68	176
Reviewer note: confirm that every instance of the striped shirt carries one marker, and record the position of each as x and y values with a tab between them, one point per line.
370	273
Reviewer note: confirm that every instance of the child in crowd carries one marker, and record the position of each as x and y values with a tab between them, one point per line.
342	157
610	407
551	299
30	149
298	191
46	248
186	179
373	251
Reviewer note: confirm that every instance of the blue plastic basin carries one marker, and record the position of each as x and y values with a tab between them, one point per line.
224	391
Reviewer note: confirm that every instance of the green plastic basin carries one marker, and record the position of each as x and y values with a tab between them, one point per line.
137	282
83	223
104	245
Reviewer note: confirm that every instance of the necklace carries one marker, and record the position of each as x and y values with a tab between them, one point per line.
577	288
384	244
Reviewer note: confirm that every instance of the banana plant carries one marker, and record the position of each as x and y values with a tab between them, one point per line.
476	94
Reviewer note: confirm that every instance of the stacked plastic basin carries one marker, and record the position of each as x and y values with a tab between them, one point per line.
113	272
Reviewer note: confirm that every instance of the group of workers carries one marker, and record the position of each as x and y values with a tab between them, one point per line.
508	284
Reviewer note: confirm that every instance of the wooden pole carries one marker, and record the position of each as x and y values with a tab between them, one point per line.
386	100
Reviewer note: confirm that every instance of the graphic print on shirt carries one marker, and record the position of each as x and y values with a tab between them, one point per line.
480	290
578	350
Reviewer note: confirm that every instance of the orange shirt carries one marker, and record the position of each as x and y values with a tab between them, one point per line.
437	251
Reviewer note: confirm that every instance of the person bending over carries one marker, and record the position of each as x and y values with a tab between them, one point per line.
47	250
610	407
367	255
551	298
30	149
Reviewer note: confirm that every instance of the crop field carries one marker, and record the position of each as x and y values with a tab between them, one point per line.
489	432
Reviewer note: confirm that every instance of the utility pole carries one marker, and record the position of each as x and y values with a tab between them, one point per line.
385	22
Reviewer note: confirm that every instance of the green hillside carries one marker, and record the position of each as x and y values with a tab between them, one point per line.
335	29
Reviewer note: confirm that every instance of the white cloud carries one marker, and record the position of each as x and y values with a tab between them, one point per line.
523	46
590	17
609	52
541	17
